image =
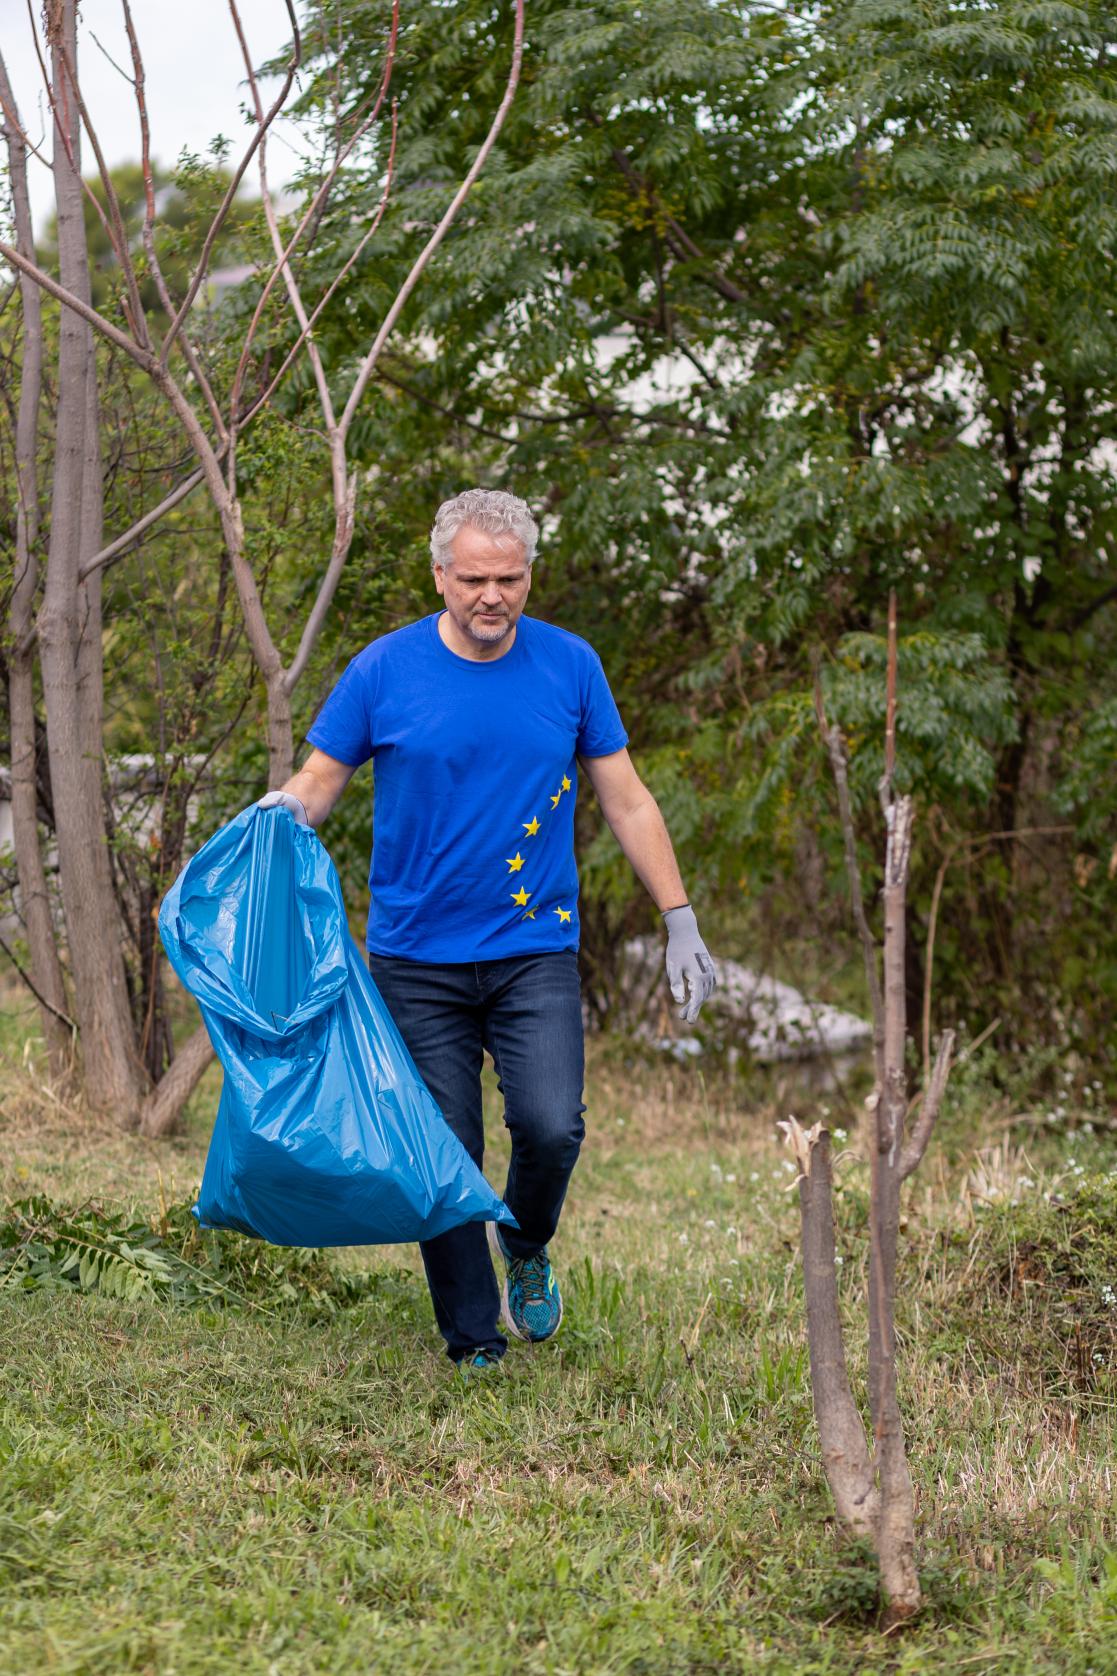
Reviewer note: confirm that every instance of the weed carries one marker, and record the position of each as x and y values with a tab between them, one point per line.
46	1247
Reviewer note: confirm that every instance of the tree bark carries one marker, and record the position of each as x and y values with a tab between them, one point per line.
69	633
45	967
841	1431
163	1107
896	1531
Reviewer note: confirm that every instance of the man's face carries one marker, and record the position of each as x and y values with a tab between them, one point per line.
486	585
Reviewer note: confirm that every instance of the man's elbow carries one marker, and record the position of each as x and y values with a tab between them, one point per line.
632	810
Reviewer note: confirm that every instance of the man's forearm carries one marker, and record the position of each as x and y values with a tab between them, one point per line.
642	834
315	797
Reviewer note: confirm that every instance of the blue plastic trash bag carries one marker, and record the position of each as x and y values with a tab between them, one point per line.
325	1134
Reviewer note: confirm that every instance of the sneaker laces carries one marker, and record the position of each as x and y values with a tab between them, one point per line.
532	1276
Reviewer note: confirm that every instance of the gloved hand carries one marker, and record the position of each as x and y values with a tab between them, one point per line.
285	800
688	962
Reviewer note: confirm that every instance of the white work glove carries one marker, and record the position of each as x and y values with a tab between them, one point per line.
688	962
285	800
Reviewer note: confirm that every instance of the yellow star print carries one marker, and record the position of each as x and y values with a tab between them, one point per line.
555	800
521	896
563	914
530	827
531	913
515	862
565	783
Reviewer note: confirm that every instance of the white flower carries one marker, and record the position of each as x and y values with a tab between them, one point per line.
730	1230
840	1135
710	1224
754	1176
682	1239
731	1178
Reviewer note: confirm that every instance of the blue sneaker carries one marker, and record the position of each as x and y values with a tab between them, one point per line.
530	1301
476	1361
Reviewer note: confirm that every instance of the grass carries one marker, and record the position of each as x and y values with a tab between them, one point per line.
211	1487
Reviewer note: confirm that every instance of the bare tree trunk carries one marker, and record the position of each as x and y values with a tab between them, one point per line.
281	738
45	967
70	651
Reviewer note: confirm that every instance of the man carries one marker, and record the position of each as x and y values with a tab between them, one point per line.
477	719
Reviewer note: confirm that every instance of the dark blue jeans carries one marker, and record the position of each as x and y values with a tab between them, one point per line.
527	1011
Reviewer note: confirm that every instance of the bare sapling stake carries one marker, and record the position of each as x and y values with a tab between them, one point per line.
871	1484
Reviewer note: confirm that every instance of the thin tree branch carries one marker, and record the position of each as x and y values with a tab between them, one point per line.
192	359
124	543
234	187
836	745
284	266
916	1144
262	401
141	356
41	999
1082	617
681	244
890	702
117	233
314	210
436	238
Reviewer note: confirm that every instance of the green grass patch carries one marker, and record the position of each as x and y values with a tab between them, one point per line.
260	1460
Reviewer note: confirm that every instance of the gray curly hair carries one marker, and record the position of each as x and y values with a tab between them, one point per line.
491	510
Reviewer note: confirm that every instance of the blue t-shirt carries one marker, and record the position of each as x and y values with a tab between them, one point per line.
474	784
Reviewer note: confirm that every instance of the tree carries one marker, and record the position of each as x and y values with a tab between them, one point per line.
769	312
872	1488
212	422
45	975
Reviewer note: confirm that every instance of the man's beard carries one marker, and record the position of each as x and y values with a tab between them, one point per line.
489	631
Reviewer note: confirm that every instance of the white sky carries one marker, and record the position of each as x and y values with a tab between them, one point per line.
194	73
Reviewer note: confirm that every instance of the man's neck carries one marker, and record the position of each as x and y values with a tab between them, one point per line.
477	651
